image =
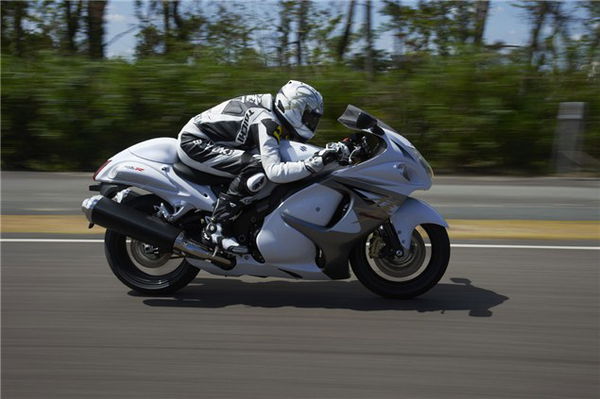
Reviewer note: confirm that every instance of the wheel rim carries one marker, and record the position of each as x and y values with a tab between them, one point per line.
410	265
148	259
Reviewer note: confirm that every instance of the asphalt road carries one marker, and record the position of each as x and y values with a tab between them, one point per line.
454	197
502	323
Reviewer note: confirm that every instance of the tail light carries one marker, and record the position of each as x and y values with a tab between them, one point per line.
100	168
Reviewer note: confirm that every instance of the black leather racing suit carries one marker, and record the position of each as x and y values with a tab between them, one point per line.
238	138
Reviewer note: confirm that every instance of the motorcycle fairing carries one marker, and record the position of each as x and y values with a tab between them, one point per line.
412	213
149	166
304	238
295	151
336	242
161	149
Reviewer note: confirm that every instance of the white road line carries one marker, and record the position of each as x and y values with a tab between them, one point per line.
500	246
51	240
525	246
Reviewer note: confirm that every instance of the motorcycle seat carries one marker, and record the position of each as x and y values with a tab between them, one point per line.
195	176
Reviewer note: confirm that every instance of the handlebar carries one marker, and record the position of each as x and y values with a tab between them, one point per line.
359	148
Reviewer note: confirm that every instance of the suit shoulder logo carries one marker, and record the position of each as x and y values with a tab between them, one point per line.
278	133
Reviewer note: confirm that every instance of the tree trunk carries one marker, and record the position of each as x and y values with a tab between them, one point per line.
284	31
181	34
345	39
301	33
286	10
594	46
369	68
72	17
95	25
481	13
20	12
166	25
559	29
539	16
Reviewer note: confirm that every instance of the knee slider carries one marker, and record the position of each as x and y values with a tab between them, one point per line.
256	182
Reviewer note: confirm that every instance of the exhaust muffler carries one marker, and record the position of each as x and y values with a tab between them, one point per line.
149	229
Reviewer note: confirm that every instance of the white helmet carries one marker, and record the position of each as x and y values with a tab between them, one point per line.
301	106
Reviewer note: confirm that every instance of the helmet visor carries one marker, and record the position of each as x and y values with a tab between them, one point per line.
311	119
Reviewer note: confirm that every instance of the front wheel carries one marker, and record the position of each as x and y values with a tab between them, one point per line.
406	275
143	267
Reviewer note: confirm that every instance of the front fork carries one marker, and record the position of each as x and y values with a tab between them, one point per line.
393	246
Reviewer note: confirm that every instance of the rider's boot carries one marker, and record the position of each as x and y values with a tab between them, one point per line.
218	230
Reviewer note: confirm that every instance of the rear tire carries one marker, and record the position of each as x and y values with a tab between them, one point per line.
157	273
406	280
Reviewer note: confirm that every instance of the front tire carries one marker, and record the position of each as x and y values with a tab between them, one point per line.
413	274
142	267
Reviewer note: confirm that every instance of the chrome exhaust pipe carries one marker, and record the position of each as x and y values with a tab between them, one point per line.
152	230
194	249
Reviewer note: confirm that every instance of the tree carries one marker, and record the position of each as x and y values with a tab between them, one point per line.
29	26
537	12
166	11
481	13
301	28
398	22
14	14
592	33
369	54
559	32
550	43
150	40
419	33
322	41
164	29
229	32
283	30
175	29
345	39
72	16
95	28
440	27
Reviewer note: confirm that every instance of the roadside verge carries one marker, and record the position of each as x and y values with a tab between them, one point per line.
459	228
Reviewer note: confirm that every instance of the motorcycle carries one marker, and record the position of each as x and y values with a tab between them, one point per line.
356	214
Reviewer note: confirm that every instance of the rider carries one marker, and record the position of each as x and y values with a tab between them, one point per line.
223	141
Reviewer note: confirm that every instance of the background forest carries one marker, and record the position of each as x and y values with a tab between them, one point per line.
468	105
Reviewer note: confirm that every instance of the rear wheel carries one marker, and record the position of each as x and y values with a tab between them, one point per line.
143	267
403	275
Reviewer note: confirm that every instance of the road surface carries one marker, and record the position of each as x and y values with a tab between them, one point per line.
502	323
455	198
505	321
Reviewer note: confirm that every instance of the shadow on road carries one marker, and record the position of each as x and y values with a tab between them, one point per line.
216	293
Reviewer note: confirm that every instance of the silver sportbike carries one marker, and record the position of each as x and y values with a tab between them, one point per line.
356	214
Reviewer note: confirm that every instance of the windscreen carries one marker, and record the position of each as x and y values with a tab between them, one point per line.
350	117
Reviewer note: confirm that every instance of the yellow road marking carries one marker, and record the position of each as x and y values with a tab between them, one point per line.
459	228
59	224
524	229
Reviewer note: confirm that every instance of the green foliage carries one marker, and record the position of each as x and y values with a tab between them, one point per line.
470	112
467	106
